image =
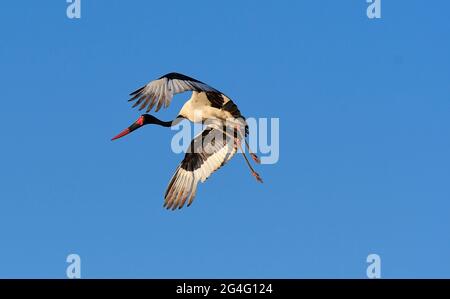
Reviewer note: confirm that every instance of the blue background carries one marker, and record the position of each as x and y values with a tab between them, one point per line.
364	139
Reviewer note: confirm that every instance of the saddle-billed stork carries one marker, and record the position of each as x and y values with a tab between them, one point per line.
207	152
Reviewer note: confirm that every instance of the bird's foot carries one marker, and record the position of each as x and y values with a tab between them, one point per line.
255	158
256	175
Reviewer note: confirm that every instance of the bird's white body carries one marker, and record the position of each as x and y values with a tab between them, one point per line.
199	109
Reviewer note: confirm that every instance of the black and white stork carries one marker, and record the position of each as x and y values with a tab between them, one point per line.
207	152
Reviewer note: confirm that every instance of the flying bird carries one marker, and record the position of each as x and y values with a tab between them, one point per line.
225	128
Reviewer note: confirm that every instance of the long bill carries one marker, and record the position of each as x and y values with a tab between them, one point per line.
136	125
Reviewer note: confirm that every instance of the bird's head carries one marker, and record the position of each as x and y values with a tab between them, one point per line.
143	120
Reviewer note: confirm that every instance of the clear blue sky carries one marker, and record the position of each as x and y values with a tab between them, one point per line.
364	163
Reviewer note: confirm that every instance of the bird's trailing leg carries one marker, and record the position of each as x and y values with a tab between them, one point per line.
237	143
253	155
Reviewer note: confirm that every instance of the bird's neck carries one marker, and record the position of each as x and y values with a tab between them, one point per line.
169	123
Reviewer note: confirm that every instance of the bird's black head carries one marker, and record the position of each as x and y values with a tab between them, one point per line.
148	119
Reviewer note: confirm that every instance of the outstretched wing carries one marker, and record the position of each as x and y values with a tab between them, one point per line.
207	152
160	92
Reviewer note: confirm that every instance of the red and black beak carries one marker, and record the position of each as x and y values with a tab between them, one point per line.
137	124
